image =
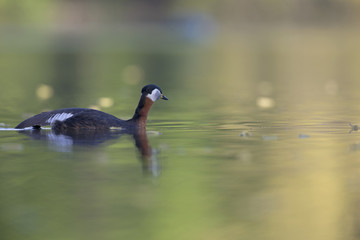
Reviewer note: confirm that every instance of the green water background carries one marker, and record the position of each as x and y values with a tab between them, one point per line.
254	142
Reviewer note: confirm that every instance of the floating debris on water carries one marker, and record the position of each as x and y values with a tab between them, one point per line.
353	127
269	138
245	134
304	136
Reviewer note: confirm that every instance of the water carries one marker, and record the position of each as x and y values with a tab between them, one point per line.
258	147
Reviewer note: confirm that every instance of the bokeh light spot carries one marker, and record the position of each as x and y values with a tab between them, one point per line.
265	102
106	102
44	92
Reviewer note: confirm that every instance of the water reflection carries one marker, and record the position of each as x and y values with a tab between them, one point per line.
65	141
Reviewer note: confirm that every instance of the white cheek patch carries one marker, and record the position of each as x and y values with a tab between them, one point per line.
155	95
59	117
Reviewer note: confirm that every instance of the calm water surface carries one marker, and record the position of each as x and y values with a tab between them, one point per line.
227	161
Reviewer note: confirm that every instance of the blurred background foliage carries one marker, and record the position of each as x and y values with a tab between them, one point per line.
90	12
226	66
233	44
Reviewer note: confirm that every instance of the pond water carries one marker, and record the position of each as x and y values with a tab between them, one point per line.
255	141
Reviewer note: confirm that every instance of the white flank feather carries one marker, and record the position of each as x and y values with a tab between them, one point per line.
59	117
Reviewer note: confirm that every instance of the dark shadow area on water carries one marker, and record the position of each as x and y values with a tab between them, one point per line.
65	141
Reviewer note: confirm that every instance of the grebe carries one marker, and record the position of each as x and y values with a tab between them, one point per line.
83	118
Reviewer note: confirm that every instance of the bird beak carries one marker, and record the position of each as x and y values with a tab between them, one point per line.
164	97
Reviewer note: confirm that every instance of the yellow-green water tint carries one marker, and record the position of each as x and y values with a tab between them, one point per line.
254	142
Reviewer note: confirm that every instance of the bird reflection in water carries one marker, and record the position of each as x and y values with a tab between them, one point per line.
65	141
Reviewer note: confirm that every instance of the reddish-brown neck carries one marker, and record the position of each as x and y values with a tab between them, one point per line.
142	111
